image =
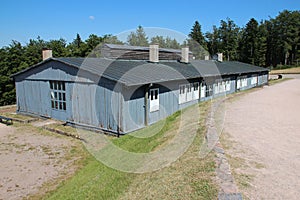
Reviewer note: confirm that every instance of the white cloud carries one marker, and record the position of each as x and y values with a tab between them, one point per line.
91	17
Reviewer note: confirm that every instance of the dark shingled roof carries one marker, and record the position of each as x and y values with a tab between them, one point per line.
139	72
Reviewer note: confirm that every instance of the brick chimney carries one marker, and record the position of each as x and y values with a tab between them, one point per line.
47	53
220	57
153	53
185	55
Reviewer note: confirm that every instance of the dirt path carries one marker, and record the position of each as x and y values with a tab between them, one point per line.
264	139
30	158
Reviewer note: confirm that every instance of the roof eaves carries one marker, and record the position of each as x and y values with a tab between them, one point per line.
29	68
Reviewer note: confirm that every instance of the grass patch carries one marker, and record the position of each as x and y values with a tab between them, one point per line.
244	180
190	177
275	81
17	116
93	181
293	70
187	178
162	134
63	129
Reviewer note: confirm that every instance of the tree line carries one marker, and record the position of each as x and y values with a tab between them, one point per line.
267	43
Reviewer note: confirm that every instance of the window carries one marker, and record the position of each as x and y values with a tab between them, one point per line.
223	87
238	84
58	95
196	91
182	95
203	89
209	90
217	87
228	86
242	82
188	92
253	80
154	99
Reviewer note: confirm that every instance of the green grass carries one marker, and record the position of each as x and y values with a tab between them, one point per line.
17	116
143	144
188	178
93	181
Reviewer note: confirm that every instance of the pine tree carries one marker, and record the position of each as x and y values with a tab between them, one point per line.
229	35
249	42
138	38
213	41
197	36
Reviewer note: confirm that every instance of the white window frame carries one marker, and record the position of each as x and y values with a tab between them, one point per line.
254	80
182	94
209	90
154	99
228	85
244	82
196	90
189	92
222	87
203	90
217	87
238	84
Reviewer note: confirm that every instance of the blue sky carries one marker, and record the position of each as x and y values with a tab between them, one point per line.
22	20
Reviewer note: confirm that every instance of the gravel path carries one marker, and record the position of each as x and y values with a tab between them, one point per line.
30	159
264	130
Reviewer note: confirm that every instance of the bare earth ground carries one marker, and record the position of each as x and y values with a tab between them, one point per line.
29	159
262	129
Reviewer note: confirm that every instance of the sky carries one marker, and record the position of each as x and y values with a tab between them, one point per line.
22	20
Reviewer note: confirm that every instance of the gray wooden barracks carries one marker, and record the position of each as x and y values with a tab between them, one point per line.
129	87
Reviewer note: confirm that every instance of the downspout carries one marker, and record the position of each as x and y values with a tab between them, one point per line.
146	103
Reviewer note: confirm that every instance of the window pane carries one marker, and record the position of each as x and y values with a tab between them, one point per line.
63	86
182	87
52	104
64	105
60	106
64	97
55	95
156	94
54	85
196	85
59	96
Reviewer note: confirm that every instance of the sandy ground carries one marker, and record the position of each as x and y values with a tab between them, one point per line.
30	159
264	130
